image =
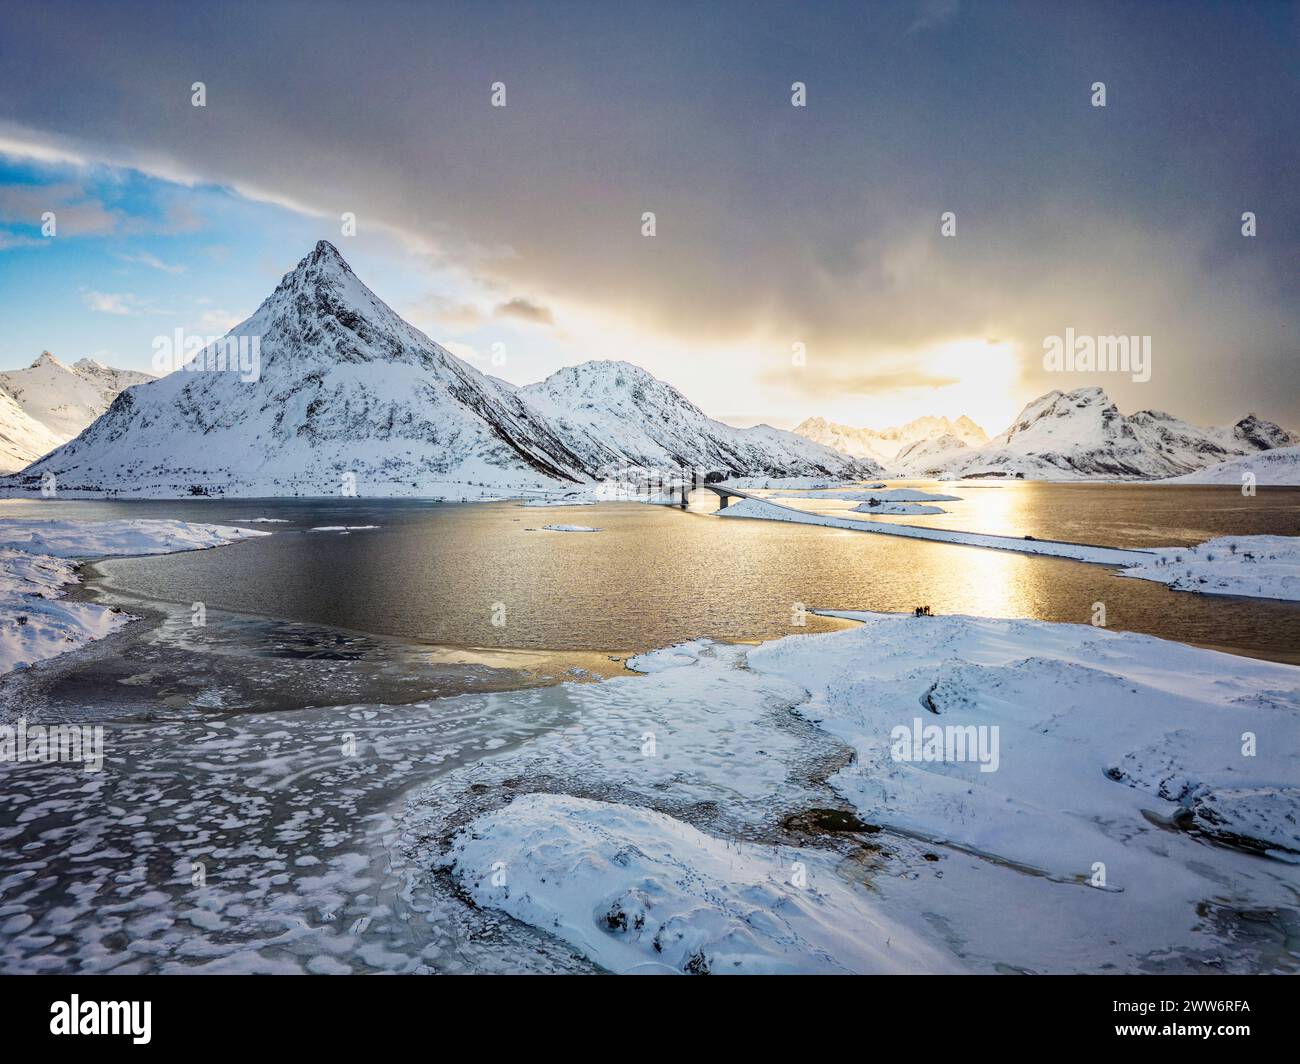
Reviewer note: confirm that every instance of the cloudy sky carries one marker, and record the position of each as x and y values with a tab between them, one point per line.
519	228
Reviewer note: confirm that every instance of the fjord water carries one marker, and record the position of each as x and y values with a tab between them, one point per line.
442	573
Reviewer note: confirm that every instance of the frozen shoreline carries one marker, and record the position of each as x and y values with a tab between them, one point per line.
38	562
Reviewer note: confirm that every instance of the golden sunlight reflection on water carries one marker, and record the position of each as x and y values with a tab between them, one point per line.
431	573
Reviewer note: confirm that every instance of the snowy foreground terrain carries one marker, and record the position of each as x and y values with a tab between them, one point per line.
1110	814
36	622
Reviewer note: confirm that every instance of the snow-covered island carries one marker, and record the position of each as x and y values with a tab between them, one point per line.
880	500
38	562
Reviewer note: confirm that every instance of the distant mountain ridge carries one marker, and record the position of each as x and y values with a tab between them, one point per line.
57	401
884	445
1081	434
350	397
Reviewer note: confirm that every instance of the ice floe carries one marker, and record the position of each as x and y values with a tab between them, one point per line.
875	506
883	495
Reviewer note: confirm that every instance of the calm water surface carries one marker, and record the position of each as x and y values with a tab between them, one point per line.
439	573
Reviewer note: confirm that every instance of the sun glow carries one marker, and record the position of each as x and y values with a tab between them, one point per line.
984	374
973	376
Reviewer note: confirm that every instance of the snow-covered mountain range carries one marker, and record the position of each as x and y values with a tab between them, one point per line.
916	459
1082	434
885	445
50	402
615	412
1077	435
346	396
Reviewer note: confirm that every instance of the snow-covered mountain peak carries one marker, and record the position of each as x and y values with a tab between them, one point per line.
47	359
324	266
57	401
608	384
325	253
614	412
322	313
1254	431
1082	433
967	431
1062	419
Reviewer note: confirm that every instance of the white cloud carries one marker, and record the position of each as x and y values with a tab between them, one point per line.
144	258
112	302
218	321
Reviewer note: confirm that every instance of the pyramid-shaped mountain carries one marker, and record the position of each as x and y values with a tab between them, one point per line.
325	390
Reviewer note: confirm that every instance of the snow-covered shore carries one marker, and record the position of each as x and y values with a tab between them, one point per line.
1123	803
1077	710
1253	566
36	622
